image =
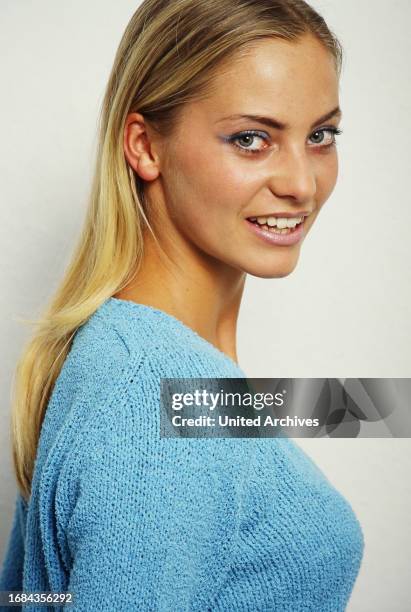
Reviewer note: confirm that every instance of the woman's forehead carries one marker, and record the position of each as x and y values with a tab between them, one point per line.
290	80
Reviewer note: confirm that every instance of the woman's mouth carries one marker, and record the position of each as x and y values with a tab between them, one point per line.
276	230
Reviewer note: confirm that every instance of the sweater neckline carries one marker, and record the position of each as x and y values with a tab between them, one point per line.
171	318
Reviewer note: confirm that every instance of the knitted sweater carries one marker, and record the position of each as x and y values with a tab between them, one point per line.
129	521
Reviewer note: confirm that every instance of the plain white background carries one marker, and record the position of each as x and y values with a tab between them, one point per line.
344	312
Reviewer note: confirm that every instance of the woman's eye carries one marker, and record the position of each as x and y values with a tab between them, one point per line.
249	142
325	137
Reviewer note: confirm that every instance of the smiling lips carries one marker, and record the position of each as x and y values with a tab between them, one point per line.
276	235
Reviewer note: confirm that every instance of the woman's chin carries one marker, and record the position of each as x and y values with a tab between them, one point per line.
274	274
276	268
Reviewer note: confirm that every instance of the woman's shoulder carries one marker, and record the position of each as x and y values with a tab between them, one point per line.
122	339
124	350
172	348
111	379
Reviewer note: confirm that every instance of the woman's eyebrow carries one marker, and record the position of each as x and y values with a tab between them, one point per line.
278	125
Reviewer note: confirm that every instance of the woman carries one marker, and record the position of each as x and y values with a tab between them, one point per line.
216	154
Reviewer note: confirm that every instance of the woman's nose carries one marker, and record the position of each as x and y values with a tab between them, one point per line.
294	176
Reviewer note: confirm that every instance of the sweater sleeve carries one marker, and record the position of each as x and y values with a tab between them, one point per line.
154	522
12	570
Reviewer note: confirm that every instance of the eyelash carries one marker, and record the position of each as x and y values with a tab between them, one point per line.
232	139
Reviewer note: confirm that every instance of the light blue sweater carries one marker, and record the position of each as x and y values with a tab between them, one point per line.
128	521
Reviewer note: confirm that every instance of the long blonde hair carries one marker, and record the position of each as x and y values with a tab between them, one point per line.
168	55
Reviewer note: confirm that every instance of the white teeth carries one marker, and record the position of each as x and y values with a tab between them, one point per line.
280	222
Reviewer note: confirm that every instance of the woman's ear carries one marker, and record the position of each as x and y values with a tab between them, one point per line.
138	149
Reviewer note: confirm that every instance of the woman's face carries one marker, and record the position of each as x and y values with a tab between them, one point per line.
230	159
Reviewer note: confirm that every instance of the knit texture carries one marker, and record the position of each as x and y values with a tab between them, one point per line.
128	521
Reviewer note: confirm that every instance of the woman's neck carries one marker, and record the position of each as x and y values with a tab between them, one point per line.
203	293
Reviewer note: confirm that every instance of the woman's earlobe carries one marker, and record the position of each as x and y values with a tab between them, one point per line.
147	168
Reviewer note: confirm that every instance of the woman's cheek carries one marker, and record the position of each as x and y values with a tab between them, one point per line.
327	179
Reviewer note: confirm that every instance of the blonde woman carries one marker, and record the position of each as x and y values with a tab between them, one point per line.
217	151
